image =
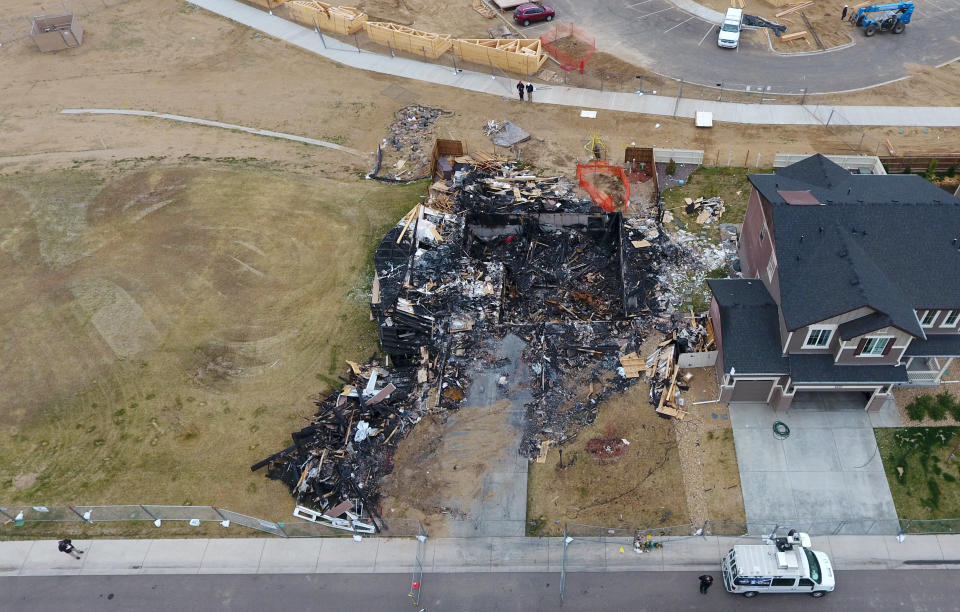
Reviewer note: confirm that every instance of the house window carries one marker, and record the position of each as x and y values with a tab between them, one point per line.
928	318
951	319
818	337
763	233
875	346
771	267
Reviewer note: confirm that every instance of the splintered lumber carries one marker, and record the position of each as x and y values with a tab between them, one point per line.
409	218
523	56
402	38
794	36
890	148
544	448
483	9
632	365
339	19
794	9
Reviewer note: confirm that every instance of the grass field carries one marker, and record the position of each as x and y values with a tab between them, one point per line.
731	184
923	469
166	327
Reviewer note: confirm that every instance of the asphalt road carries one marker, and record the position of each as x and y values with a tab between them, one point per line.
926	590
657	35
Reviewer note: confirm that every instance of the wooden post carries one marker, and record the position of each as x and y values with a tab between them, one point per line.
717	163
746	158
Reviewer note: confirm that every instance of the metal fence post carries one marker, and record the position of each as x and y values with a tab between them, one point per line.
150	514
563	562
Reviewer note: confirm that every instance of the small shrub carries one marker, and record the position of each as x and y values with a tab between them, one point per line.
952	170
671	167
931	172
949	477
907	170
720	272
917	409
937	409
955	411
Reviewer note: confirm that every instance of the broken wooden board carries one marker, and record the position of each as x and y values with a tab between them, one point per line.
544	448
794	36
794	9
640	244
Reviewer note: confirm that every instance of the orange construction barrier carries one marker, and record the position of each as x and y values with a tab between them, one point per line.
600	198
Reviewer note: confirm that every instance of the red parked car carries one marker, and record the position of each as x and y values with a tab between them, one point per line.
529	12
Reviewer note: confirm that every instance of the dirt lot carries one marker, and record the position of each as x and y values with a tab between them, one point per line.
176	302
637	489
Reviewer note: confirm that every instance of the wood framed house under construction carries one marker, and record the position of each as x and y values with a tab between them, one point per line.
402	38
522	56
338	19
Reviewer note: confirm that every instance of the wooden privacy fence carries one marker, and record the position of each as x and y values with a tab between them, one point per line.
402	38
919	163
524	56
339	19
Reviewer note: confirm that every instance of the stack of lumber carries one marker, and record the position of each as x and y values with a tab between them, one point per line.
339	19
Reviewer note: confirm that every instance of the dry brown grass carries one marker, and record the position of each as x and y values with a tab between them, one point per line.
167	327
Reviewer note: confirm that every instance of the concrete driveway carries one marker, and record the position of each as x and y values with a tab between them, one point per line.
826	477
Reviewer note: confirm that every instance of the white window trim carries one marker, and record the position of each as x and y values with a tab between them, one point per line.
950	313
771	267
891	340
932	321
810	328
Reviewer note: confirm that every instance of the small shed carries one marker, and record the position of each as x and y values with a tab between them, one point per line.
57	32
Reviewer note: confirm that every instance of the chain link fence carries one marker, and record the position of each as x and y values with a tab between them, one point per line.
18	516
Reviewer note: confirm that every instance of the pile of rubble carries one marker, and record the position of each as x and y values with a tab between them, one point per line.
663	365
497	250
336	462
406	154
706	209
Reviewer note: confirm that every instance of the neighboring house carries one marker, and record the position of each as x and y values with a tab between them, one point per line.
851	284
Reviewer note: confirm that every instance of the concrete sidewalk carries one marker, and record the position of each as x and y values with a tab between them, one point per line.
442	555
760	114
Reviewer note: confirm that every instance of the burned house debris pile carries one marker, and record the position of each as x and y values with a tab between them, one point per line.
494	250
335	463
515	252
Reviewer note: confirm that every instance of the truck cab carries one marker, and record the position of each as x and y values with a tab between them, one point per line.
780	565
729	36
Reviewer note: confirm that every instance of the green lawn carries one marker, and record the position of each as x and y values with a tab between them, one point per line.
923	469
731	184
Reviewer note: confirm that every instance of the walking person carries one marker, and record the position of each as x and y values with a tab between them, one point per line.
705	581
843	14
520	89
529	92
66	546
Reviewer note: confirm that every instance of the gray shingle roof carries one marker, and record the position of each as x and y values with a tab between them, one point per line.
750	327
821	369
888	242
939	345
863	325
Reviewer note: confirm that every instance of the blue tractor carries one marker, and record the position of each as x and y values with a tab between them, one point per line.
884	17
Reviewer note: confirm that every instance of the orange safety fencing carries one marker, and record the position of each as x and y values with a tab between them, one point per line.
569	45
600	198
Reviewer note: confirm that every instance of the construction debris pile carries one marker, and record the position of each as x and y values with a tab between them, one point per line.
496	250
505	133
336	462
407	152
706	209
662	367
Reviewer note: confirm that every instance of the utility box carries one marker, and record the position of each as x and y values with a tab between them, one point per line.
57	32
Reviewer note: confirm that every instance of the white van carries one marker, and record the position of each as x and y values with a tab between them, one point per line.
730	29
780	565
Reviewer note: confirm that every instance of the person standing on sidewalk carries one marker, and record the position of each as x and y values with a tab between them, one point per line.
529	92
520	89
705	581
66	546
